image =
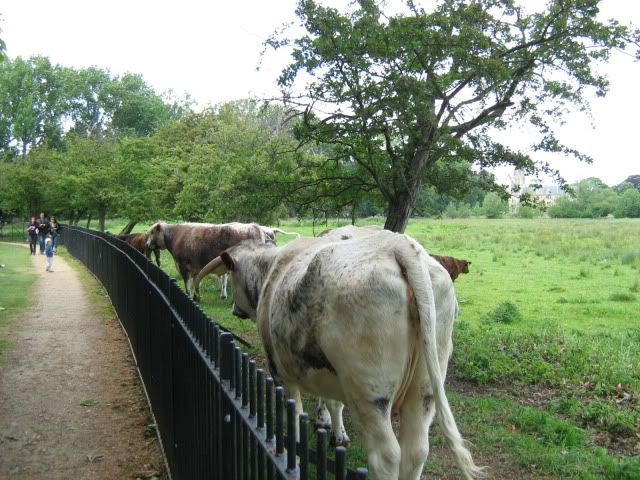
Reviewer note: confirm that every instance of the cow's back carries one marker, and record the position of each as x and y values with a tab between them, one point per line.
198	244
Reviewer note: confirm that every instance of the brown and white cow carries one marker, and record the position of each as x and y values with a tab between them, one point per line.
139	242
193	245
366	322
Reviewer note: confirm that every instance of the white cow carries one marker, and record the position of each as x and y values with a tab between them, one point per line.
366	322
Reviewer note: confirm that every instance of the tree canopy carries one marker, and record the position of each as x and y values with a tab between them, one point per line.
394	95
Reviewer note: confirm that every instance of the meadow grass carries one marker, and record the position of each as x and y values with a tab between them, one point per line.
548	312
16	282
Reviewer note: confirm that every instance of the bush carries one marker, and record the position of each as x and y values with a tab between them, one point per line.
493	206
506	312
524	211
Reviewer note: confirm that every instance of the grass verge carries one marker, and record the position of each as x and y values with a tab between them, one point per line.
16	286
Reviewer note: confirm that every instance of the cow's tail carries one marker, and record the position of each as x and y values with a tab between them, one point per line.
412	258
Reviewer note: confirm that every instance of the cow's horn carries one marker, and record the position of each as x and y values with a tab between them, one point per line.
212	267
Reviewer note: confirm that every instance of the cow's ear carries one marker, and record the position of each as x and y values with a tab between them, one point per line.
228	261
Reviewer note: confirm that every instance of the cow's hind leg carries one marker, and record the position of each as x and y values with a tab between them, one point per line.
381	444
337	427
223	285
323	417
416	415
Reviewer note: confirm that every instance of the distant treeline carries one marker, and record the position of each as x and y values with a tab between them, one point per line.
87	144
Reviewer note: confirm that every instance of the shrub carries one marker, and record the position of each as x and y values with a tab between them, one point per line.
524	211
506	312
493	206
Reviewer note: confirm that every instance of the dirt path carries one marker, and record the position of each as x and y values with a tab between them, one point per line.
69	350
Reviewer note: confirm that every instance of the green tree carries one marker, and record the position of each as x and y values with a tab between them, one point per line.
494	206
136	109
592	199
229	163
90	176
628	204
32	104
396	94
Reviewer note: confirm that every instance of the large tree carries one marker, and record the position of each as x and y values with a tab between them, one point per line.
31	105
396	94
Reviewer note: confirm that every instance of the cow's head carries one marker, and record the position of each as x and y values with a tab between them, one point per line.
248	264
155	236
465	266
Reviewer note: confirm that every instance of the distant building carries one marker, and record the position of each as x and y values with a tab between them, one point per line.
545	194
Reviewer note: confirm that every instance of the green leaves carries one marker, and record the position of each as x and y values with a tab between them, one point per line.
397	92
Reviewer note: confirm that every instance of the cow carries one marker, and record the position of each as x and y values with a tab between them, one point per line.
366	322
139	242
193	245
455	266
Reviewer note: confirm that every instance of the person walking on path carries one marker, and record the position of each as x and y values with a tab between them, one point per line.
48	250
43	230
54	231
32	230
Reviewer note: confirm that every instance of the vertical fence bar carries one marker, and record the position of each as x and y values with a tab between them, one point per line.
245	380
226	348
260	397
362	474
304	446
321	451
252	389
269	408
341	463
216	357
291	435
238	378
279	420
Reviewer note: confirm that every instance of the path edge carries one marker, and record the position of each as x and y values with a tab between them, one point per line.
78	263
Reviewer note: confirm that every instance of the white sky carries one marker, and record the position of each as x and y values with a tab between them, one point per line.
211	50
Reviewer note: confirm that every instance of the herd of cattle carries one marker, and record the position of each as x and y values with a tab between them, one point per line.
361	317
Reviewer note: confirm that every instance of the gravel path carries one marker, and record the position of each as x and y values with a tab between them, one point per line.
69	350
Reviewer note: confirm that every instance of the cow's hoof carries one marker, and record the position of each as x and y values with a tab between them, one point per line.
344	442
196	298
224	297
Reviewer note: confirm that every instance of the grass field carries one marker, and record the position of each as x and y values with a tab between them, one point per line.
545	375
16	280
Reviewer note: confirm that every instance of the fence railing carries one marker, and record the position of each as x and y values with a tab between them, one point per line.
218	416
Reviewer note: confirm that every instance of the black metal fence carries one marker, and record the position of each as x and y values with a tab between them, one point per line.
218	417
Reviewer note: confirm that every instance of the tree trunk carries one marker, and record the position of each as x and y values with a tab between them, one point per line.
128	227
353	213
400	208
89	220
102	213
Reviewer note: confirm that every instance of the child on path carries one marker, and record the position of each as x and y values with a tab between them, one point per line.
48	250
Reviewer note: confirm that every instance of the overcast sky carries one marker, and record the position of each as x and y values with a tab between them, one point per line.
211	50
